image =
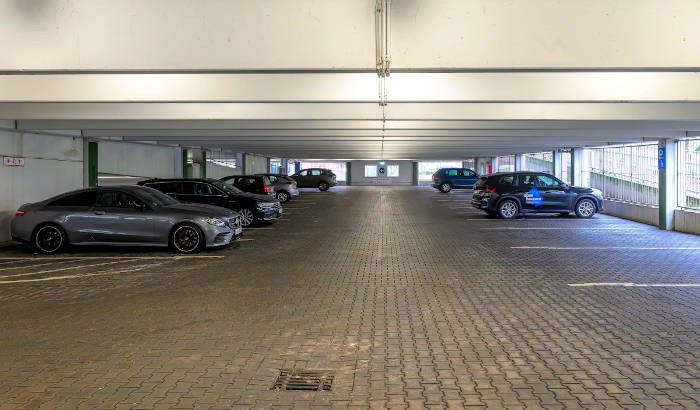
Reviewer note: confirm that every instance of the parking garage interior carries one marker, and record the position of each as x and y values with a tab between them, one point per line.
381	291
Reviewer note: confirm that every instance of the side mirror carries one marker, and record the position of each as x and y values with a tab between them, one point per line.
565	186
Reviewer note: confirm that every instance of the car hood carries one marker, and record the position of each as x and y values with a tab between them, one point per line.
256	197
582	190
201	209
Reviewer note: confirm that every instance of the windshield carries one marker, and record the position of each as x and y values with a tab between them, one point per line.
155	198
229	189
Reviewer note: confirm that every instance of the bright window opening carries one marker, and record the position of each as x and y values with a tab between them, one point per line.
370	171
392	171
427	169
338	167
689	173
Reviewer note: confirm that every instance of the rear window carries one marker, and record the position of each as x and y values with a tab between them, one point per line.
507	180
452	172
480	183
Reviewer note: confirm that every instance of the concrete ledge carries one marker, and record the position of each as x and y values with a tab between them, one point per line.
641	213
686	220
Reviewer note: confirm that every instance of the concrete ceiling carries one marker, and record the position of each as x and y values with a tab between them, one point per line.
297	79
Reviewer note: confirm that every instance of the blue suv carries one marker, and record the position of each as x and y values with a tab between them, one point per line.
446	179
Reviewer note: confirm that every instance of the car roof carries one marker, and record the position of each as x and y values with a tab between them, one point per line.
178	180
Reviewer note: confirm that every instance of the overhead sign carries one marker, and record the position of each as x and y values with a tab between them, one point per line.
662	158
13	161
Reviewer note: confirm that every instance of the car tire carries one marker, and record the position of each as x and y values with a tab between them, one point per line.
247	217
187	238
323	186
508	209
445	187
49	239
283	196
585	208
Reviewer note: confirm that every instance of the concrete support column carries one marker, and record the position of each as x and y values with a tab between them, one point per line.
414	179
240	163
668	183
557	164
91	168
518	162
494	165
348	173
283	166
177	171
577	166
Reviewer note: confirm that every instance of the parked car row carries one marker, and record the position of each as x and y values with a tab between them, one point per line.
509	194
186	215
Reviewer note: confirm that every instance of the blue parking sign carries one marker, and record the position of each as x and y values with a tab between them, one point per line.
662	158
381	170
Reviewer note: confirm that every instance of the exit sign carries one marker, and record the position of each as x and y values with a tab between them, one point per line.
13	161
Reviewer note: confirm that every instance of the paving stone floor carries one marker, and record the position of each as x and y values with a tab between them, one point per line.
411	297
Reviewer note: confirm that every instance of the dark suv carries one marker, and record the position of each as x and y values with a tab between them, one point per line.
255	184
252	207
510	193
446	179
320	178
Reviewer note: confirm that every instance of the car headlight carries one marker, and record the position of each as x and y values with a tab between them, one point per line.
260	206
215	221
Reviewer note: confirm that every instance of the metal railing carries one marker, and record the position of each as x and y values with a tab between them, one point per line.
627	172
538	162
689	173
506	163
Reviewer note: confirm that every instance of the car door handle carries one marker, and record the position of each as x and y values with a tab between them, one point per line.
99	212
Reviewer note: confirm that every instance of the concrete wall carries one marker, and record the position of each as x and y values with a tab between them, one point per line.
140	160
686	221
219	171
635	212
404	178
256	164
52	165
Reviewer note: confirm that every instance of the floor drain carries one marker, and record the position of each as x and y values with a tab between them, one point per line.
301	379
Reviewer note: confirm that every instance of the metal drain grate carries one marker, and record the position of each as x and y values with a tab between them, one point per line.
301	379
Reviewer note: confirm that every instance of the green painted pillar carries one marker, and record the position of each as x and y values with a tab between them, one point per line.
348	173
204	164
184	163
93	168
668	199
414	179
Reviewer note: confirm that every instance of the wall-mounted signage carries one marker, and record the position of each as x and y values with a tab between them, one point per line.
13	161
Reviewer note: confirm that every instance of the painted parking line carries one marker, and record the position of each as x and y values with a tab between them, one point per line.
84	275
245	240
64	269
597	248
640	285
285	208
30	258
601	228
258	229
36	265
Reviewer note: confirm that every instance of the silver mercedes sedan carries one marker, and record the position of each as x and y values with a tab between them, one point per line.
126	216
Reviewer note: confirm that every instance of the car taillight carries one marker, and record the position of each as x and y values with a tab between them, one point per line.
267	189
486	189
19	213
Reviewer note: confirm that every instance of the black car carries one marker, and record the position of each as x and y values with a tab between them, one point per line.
320	178
511	193
252	207
254	184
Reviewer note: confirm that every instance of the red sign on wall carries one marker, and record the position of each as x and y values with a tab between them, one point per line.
13	161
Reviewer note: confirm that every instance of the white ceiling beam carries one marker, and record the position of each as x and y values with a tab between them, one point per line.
615	86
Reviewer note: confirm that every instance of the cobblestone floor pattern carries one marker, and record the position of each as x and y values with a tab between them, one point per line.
411	297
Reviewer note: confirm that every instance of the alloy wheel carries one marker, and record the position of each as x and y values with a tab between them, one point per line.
186	239
246	217
283	196
446	187
586	208
49	239
508	209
